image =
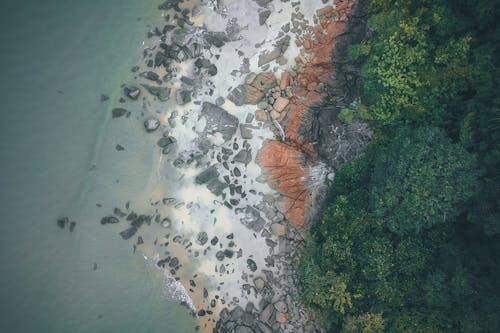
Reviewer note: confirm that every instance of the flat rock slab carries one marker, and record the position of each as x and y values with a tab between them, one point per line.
219	121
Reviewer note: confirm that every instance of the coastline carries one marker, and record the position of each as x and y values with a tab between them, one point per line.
231	227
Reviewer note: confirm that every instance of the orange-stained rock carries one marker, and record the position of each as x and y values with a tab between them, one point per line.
286	163
312	98
282	318
275	114
312	86
286	79
250	78
301	91
325	10
261	115
307	44
264	81
283	165
281	103
253	95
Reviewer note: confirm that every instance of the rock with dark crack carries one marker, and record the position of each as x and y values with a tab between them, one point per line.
219	120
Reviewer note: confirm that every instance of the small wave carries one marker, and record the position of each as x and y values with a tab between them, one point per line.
172	288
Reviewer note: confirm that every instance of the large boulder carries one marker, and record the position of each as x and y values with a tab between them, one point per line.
219	120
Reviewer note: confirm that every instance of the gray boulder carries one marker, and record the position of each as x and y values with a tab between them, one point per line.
118	112
219	120
151	124
183	97
207	175
163	93
132	92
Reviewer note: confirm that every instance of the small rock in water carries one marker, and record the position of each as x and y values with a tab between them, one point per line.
214	241
132	92
163	93
126	234
109	220
152	76
166	223
140	240
94	267
119	147
104	97
166	141
118	112
151	124
61	222
72	226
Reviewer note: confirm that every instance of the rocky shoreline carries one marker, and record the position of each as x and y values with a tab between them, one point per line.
241	97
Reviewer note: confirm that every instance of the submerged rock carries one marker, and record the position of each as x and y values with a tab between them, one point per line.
109	220
61	222
118	112
166	141
127	233
163	93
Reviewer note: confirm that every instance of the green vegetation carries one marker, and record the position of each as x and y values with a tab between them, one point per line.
346	115
410	239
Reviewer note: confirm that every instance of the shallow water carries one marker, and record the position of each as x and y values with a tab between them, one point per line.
59	158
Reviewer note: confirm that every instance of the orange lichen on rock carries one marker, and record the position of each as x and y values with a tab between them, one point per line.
286	174
285	163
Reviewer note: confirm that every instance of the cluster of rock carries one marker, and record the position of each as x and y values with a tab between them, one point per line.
278	309
63	221
290	164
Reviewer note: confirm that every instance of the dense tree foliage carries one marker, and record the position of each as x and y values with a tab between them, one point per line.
410	239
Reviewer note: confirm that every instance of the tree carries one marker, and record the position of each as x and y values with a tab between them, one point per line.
421	179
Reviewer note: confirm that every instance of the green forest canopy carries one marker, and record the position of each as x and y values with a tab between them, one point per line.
410	240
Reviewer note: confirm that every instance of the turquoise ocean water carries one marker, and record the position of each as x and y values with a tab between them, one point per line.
57	143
